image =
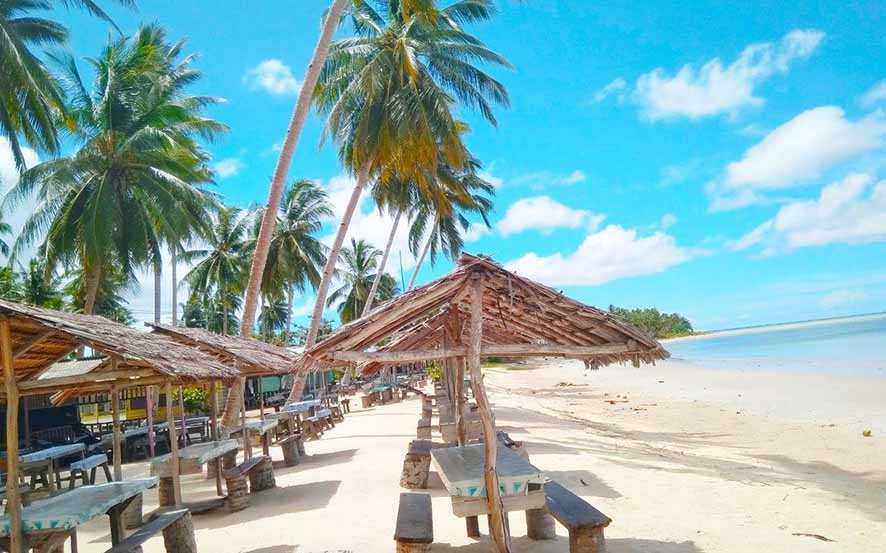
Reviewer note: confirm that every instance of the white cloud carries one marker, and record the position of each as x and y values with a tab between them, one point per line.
875	95
475	232
615	88
272	76
9	177
667	220
574	177
540	180
849	211
545	214
228	167
714	89
496	181
795	152
610	254
842	298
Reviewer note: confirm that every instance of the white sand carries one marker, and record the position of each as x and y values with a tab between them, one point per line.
673	464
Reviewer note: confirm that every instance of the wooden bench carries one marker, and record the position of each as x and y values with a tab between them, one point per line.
414	532
584	522
423	429
85	469
259	470
177	528
416	465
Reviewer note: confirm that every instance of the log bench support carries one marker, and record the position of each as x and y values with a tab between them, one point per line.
423	429
292	447
416	465
260	472
414	532
177	528
584	523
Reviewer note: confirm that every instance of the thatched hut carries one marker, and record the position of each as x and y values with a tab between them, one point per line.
481	310
32	340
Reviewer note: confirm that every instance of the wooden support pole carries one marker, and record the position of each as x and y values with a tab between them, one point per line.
13	498
181	405
261	400
27	416
149	405
173	445
117	435
498	523
247	447
213	417
459	363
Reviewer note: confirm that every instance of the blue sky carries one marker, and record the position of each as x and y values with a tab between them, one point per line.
722	161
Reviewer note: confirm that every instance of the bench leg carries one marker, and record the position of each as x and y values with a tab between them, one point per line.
166	492
472	524
238	494
262	477
92	472
290	453
132	514
415	472
179	537
108	477
540	525
587	540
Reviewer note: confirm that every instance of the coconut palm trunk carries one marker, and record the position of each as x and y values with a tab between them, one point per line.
174	287
93	276
158	282
298	384
290	297
381	267
299	115
418	264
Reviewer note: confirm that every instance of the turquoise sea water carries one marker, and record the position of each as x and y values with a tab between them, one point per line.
853	345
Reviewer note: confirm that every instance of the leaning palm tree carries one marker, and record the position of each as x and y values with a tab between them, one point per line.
359	262
220	269
389	93
468	193
135	164
39	288
31	100
296	254
5	230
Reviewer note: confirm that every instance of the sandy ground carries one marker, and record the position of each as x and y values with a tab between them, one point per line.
679	469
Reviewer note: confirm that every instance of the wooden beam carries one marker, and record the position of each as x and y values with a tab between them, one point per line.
398	356
498	522
86	379
213	417
518	350
117	443
13	498
24	348
173	445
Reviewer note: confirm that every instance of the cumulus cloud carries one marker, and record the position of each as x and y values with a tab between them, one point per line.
849	211
9	177
545	214
610	254
797	151
667	220
540	180
615	88
228	167
875	95
496	181
475	232
272	76
713	88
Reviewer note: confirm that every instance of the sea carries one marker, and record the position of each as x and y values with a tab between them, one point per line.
847	346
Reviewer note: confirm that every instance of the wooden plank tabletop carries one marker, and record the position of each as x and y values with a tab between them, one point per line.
73	508
461	469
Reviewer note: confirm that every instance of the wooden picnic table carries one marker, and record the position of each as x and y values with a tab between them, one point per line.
263	429
51	521
302	406
191	461
461	470
51	455
201	424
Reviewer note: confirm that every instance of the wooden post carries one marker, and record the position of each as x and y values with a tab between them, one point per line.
13	498
117	437
498	523
459	363
173	446
149	405
27	417
261	400
213	416
247	447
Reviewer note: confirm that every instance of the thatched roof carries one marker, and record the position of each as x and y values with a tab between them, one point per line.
519	312
251	357
42	337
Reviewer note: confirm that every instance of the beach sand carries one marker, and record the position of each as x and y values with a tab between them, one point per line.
702	462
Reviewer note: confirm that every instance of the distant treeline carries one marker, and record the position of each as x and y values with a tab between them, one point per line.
654	322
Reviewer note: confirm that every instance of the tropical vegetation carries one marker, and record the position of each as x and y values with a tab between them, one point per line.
654	322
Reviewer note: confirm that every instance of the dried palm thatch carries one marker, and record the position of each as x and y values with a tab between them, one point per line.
42	337
252	357
521	318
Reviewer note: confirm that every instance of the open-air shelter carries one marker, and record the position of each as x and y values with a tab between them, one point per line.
33	339
481	310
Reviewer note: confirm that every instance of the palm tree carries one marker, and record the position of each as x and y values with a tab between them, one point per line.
135	164
290	141
273	318
5	230
31	100
220	270
109	300
468	193
39	288
389	93
296	255
357	273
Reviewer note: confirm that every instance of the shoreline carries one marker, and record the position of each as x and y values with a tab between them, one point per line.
774	327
